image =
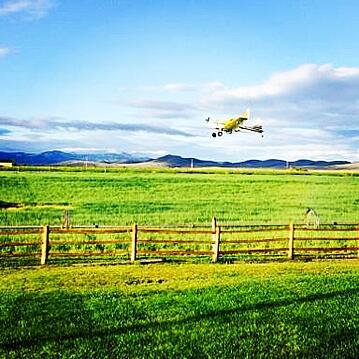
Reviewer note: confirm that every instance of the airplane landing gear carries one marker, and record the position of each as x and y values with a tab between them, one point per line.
219	134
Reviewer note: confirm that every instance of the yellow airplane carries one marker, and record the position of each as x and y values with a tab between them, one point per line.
234	125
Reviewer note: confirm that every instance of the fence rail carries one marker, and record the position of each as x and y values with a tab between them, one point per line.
136	242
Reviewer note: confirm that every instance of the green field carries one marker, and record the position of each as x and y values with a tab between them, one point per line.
172	197
171	310
278	310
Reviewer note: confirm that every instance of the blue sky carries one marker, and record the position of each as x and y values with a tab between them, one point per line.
141	76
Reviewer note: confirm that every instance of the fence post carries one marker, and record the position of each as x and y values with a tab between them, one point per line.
45	244
214	228
216	244
134	243
66	222
291	241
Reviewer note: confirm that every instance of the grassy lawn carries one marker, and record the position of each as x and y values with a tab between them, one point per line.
287	310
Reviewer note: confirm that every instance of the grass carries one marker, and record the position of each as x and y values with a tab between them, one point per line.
172	197
122	196
277	310
272	310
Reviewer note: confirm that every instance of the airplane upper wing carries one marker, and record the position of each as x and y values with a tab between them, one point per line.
215	123
218	123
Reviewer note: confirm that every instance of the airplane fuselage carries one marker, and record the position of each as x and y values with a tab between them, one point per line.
232	124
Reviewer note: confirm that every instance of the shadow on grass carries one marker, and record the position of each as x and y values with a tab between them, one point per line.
19	262
31	320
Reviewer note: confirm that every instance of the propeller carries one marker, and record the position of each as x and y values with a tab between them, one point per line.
258	122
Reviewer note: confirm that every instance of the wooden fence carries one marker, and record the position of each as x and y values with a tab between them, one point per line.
217	242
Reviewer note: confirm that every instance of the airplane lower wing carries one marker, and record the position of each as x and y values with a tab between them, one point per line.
256	128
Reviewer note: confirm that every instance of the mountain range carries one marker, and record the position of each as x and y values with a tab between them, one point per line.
178	161
113	159
60	157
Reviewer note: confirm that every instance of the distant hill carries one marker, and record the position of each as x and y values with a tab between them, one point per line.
178	161
354	166
71	159
59	157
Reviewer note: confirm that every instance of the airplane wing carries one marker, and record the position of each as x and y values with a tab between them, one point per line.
255	128
245	115
215	123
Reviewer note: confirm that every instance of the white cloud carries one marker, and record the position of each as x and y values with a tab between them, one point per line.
4	51
315	81
53	125
33	9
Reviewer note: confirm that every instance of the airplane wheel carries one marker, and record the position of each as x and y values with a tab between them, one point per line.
213	134
220	134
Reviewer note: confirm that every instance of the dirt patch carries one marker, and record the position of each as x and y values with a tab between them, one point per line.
17	206
136	281
7	205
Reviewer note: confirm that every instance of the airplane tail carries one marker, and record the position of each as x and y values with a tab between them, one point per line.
246	114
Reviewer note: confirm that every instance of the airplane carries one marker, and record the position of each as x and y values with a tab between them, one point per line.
234	125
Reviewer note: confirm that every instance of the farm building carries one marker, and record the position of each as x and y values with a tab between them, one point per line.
7	163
